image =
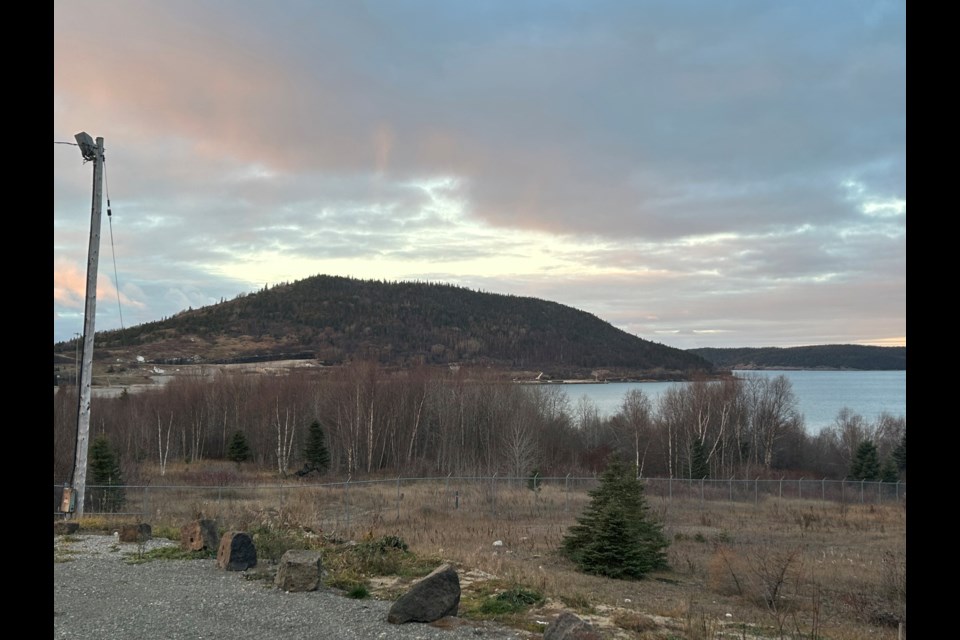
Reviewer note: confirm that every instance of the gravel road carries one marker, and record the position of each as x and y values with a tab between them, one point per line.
97	595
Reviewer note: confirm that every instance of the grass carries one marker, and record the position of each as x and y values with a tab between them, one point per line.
169	553
844	578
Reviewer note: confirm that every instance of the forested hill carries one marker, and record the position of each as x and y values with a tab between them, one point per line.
830	356
336	319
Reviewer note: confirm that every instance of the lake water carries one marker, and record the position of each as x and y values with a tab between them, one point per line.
820	394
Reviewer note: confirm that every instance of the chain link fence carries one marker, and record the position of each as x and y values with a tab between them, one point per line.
352	504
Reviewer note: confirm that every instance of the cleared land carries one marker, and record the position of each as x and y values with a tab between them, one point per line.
792	568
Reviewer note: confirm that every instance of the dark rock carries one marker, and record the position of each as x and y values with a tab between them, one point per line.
432	598
569	627
199	535
237	552
65	528
135	532
299	570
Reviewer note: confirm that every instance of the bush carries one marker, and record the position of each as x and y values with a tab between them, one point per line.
615	536
511	601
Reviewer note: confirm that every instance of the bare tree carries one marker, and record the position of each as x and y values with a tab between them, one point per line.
773	409
286	430
164	449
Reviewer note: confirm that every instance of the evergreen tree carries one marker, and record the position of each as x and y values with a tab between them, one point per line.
238	450
866	462
316	455
105	478
889	471
615	536
900	454
698	460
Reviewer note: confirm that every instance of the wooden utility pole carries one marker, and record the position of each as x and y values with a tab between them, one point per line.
74	494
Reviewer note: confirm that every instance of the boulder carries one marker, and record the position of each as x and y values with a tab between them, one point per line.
435	596
65	528
237	552
199	535
299	570
569	627
135	532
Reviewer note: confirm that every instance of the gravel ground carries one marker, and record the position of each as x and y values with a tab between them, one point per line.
97	595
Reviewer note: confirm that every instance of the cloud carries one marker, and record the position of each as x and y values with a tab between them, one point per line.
713	150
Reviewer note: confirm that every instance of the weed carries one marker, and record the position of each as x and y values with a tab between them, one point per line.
358	592
699	626
632	621
578	602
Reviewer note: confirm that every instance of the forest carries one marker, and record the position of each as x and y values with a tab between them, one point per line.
826	356
422	422
336	320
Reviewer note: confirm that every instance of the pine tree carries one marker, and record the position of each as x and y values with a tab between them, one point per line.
889	471
105	478
316	455
238	450
698	460
866	462
615	536
900	454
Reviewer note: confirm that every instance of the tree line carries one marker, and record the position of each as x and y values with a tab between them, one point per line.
424	422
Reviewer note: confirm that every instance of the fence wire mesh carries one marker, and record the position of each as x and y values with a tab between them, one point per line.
353	505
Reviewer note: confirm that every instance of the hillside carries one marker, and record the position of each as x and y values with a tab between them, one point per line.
831	356
336	320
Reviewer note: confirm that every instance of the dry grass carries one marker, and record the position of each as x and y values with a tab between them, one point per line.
777	568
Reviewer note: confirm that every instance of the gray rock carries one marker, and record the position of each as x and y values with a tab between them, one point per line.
435	596
237	552
135	532
569	627
299	570
65	528
199	535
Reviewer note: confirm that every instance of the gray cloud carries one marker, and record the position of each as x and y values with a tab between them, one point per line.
674	168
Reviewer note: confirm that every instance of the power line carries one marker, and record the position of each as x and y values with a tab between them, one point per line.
113	250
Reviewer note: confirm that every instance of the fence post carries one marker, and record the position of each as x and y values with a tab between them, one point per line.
800	488
861	489
398	498
781	487
493	493
898	491
346	490
731	488
670	485
146	503
536	492
823	489
566	491
701	491
756	490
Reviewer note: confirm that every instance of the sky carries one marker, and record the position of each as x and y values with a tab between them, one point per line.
696	173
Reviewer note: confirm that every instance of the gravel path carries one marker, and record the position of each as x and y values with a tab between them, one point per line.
99	596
